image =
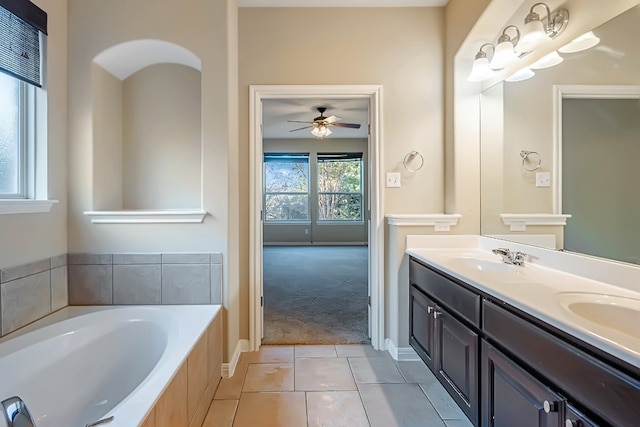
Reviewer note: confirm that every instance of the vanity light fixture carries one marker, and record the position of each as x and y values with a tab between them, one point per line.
481	70
536	33
521	75
584	42
504	53
321	131
549	60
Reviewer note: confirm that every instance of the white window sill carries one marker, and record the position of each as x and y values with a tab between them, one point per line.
24	206
177	216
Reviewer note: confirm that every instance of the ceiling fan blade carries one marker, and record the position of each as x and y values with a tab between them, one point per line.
306	127
332	119
346	125
297	121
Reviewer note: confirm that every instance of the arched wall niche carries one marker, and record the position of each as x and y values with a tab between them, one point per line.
147	139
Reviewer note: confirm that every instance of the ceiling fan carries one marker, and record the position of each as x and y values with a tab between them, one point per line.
321	124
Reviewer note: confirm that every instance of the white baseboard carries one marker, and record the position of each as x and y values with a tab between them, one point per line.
229	368
403	354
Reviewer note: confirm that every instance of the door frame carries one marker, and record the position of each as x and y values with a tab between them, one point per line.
258	93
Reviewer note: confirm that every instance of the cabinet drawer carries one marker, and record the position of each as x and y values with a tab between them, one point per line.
448	293
605	391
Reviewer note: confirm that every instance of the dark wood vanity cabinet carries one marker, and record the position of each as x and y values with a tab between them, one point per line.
443	331
505	368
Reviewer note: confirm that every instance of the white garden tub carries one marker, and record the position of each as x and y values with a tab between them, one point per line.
82	364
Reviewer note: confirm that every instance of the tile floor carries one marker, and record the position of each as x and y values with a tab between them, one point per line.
331	386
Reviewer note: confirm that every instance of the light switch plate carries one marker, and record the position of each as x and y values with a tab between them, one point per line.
394	179
543	179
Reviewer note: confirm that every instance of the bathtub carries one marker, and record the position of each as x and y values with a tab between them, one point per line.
82	364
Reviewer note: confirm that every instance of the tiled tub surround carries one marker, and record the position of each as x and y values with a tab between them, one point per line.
146	366
104	279
31	291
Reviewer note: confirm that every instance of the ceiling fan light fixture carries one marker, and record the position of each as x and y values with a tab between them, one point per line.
321	131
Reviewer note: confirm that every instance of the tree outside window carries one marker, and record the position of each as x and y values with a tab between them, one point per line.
340	187
286	184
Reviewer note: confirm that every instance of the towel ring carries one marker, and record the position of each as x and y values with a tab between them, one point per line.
525	156
410	156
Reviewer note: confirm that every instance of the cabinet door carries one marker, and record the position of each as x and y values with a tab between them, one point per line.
422	325
457	362
512	397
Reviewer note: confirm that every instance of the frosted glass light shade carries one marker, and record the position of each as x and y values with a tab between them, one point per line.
533	36
584	42
321	131
503	56
547	61
480	70
521	75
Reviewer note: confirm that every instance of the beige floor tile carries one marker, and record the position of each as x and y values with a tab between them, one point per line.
221	413
359	350
316	351
279	409
269	377
269	354
335	409
230	388
321	374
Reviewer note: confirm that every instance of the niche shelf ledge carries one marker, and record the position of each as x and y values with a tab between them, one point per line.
169	216
440	222
520	221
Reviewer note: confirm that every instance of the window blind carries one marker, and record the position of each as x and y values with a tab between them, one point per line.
286	157
21	23
337	157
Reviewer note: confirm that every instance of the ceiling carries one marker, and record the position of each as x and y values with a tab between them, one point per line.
342	3
276	112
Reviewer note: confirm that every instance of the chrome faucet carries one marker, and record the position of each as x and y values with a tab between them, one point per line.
508	257
16	413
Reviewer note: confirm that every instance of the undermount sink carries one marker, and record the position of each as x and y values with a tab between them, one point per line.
609	311
480	264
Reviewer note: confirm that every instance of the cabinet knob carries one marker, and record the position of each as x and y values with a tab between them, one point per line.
436	314
430	309
549	406
571	423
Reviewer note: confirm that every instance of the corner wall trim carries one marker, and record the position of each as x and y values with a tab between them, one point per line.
402	354
228	369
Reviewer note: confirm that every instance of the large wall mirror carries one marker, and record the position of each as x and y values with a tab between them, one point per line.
567	141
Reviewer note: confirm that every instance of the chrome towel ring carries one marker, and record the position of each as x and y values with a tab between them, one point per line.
526	160
408	159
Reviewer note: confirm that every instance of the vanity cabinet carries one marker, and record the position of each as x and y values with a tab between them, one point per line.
443	331
504	367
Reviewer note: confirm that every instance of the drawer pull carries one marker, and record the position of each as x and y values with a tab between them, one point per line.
549	407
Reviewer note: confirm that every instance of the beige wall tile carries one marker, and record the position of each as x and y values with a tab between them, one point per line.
279	409
269	377
197	375
221	413
205	403
171	409
214	333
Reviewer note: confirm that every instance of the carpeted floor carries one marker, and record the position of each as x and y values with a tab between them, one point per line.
315	295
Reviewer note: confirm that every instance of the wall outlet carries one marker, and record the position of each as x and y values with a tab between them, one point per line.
306	231
394	179
441	227
543	179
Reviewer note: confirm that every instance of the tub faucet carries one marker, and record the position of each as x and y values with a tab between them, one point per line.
508	257
16	413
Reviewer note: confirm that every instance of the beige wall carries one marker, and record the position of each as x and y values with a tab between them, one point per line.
107	138
399	48
32	237
208	30
162	138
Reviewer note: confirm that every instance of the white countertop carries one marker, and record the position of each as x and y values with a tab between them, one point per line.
561	289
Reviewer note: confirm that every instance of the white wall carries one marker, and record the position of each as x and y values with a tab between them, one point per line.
32	237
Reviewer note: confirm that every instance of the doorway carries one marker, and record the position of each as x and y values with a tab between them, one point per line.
372	210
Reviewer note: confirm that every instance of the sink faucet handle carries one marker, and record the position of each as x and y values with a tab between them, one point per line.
501	251
16	413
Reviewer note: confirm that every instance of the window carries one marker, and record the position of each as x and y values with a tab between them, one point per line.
286	187
340	187
13	147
